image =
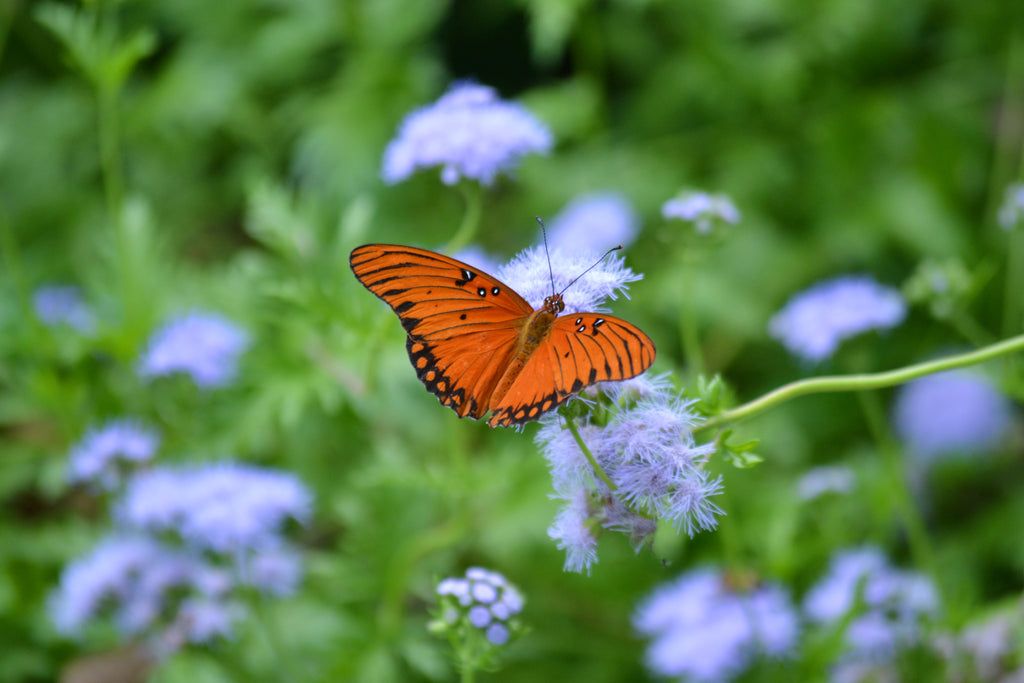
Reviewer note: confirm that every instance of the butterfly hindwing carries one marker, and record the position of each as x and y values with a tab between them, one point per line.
582	348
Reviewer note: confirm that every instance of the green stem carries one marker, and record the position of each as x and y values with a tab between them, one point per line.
917	535
590	456
470	220
862	382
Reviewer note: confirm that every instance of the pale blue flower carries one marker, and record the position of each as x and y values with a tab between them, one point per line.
470	133
814	322
105	452
701	209
594	223
63	305
483	599
887	604
648	451
132	577
1013	206
528	274
818	481
204	346
274	571
702	630
226	508
951	413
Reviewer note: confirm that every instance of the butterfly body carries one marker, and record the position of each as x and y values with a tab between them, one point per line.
479	346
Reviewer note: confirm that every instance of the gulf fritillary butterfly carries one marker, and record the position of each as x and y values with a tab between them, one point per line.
479	346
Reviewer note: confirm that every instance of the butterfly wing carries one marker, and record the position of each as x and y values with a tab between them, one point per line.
582	348
462	323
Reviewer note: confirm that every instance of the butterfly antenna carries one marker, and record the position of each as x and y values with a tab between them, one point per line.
596	263
547	253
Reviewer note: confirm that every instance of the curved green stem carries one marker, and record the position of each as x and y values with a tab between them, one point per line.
470	220
878	380
590	456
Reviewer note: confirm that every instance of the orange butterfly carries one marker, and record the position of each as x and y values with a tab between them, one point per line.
478	345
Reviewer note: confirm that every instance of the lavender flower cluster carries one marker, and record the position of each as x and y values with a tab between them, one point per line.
655	470
187	541
708	626
482	600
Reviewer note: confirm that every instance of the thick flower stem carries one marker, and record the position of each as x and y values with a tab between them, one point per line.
590	456
861	382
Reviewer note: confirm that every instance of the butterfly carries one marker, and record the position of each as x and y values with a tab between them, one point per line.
479	346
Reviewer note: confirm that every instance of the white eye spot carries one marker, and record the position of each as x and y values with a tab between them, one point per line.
495	291
581	328
482	291
579	320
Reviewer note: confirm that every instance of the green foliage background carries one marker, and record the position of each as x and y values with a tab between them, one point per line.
177	154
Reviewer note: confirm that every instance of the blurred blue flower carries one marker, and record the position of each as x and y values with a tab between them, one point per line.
814	322
950	413
594	222
648	452
887	604
703	630
1013	206
204	346
529	275
701	208
483	599
818	481
63	305
132	577
470	133
227	508
103	453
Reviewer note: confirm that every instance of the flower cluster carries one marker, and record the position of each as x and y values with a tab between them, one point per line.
702	628
881	607
204	346
814	322
104	453
701	209
187	545
63	305
470	133
594	222
482	601
950	413
654	470
528	274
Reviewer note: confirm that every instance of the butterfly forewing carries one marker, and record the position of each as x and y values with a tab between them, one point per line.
583	348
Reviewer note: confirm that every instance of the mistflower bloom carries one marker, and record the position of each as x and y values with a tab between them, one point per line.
701	209
594	222
204	346
225	508
482	601
951	413
648	452
470	133
887	604
701	629
1013	206
818	481
529	275
814	322
105	452
63	305
138	581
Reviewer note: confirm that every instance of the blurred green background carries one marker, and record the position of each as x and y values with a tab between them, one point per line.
172	154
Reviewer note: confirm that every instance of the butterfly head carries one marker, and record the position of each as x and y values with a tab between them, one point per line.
554	304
